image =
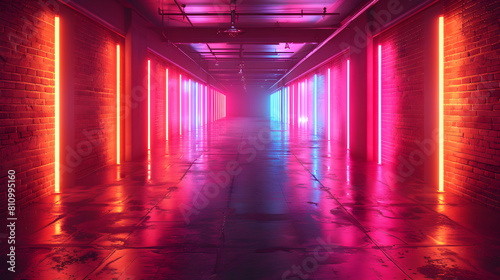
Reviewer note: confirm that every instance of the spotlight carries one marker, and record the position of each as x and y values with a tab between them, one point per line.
287	46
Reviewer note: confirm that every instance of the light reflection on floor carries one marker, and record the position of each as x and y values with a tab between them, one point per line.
250	199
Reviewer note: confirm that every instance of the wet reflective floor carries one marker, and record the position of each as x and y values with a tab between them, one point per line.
251	200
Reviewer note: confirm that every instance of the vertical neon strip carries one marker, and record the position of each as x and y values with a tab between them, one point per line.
304	95
196	104
329	100
118	104
348	104
299	101
441	104
57	106
315	103
206	105
189	105
379	104
180	104
293	104
202	94
149	104
166	105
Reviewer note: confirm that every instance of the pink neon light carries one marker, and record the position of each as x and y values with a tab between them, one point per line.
166	105
348	104
293	104
180	104
379	104
206	108
189	104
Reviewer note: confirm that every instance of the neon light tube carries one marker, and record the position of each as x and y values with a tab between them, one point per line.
348	104
293	104
180	104
196	115
315	103
201	105
379	104
206	105
166	104
57	101
441	104
149	104
328	101
304	95
118	104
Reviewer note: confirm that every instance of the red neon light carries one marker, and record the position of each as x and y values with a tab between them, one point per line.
57	120
166	104
149	104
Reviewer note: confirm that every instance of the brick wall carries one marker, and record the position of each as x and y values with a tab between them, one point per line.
402	91
158	93
27	97
472	106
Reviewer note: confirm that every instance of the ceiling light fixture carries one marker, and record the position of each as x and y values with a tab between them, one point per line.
233	31
287	46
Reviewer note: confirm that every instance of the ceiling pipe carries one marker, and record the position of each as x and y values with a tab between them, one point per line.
368	6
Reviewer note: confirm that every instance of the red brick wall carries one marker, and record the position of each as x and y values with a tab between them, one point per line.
95	93
402	91
158	75
472	99
27	97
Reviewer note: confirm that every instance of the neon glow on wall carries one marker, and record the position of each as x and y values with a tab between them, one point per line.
348	105
329	90
117	104
379	104
180	104
315	103
206	109
189	105
57	106
166	104
441	104
293	104
149	104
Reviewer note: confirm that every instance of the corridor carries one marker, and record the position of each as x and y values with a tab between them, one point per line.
254	199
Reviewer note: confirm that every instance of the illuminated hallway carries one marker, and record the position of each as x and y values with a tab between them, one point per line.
293	201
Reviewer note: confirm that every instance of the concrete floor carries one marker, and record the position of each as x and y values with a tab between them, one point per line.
280	208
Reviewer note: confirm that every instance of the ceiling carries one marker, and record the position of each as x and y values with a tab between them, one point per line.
267	46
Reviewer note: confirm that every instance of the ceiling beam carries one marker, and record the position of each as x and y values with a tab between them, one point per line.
249	35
